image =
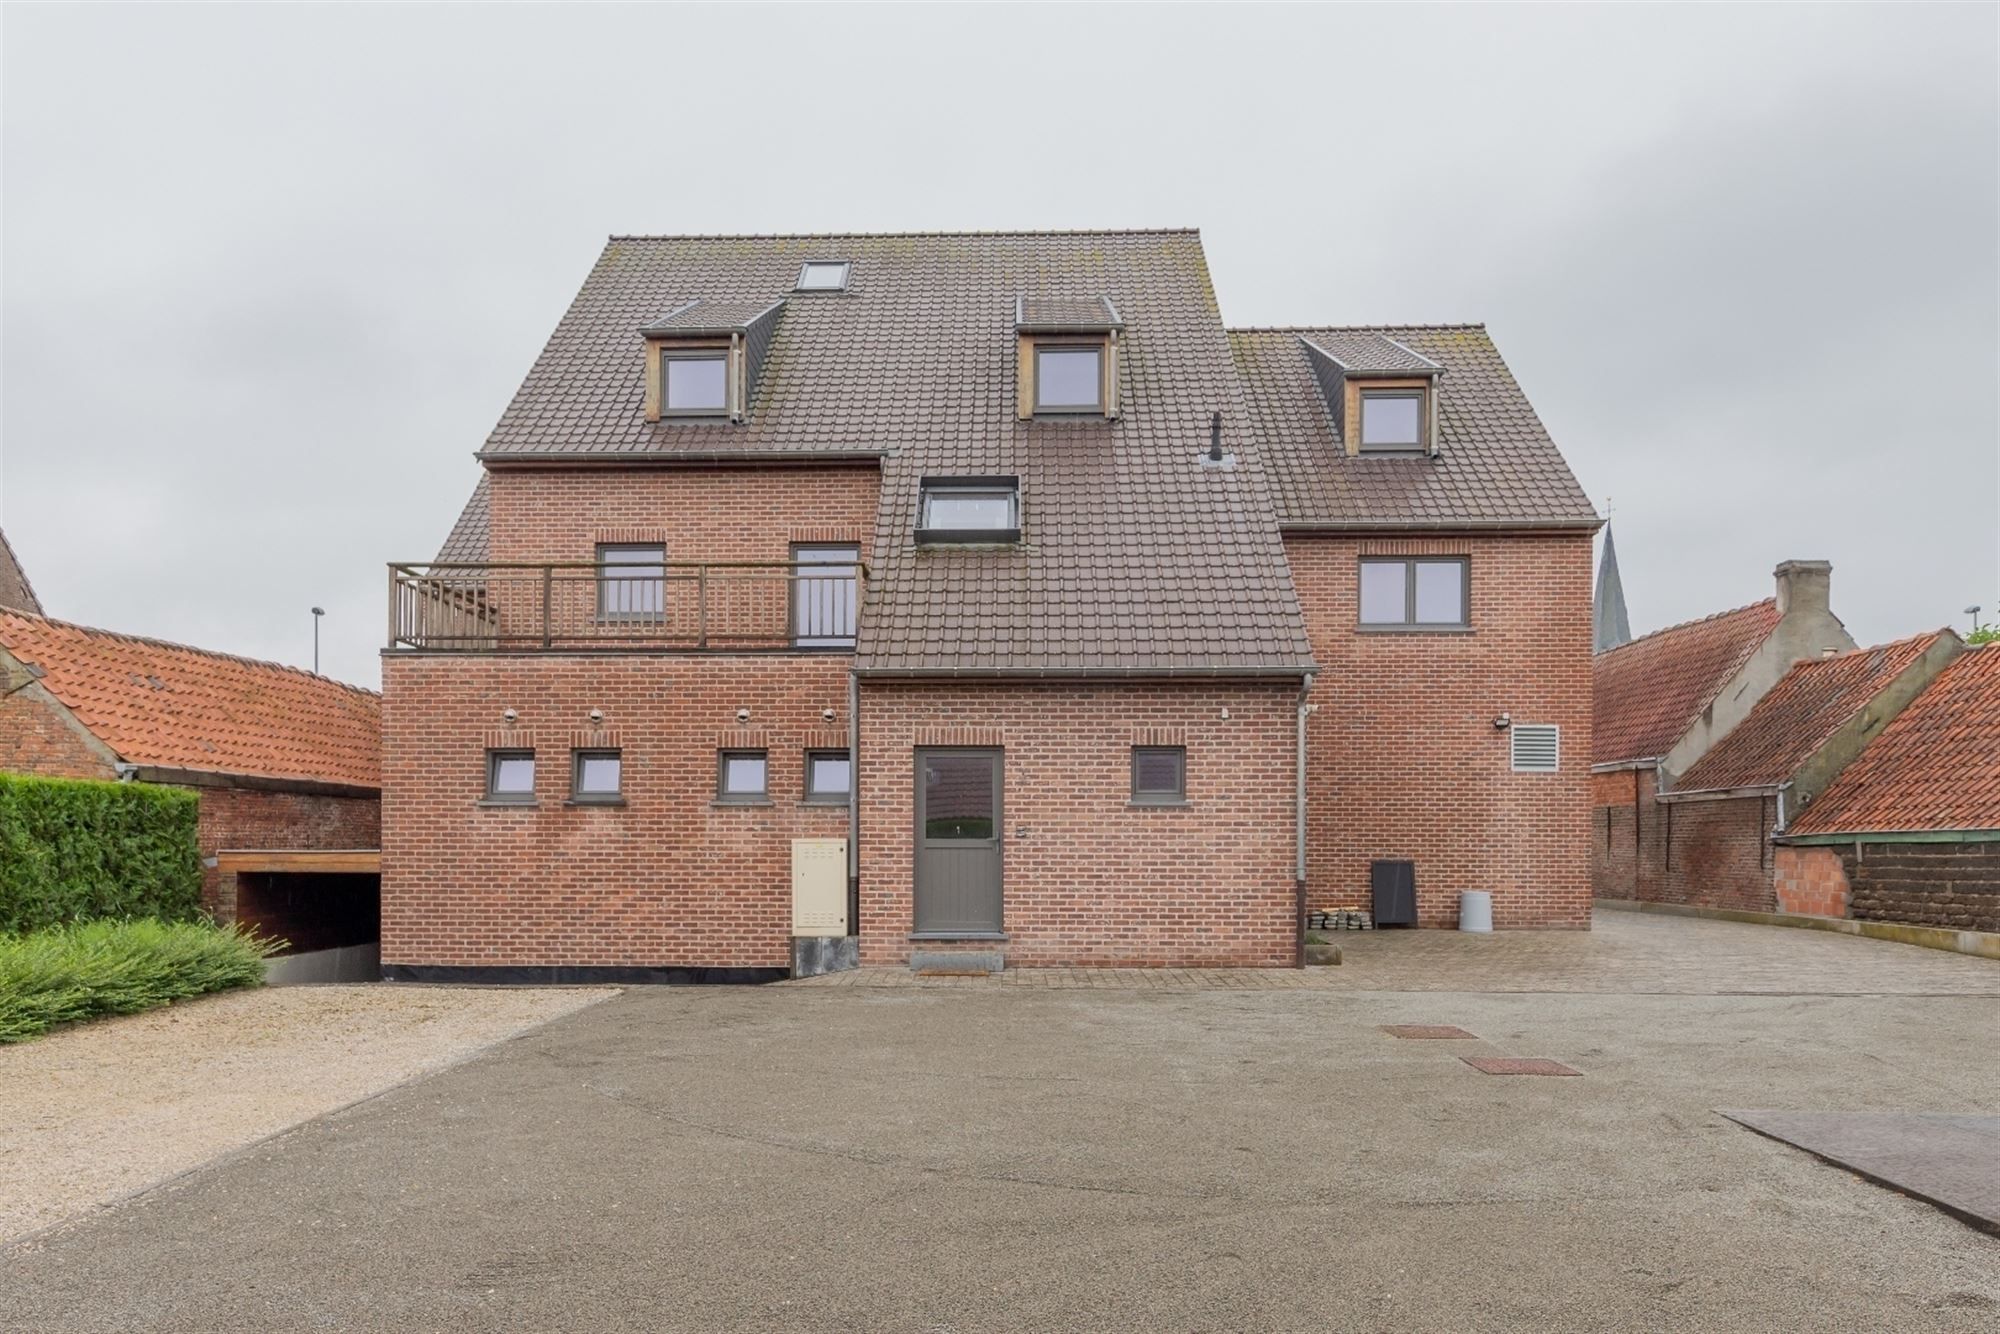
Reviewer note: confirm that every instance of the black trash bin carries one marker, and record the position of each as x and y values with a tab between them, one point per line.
1394	889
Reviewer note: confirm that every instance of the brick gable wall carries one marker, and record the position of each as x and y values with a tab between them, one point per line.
38	736
1404	760
1088	877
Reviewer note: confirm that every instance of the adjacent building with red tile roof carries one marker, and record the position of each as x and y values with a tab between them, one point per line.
1079	627
287	764
1650	691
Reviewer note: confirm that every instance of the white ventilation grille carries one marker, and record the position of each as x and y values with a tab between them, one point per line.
1537	748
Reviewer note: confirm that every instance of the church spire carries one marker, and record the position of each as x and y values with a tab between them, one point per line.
1610	626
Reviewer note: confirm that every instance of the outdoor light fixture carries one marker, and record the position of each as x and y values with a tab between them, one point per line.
597	715
826	715
1503	722
508	716
1973	612
743	715
317	613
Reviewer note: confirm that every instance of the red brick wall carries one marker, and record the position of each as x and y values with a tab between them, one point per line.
1404	759
1712	854
1810	880
37	737
1097	880
235	817
701	514
668	880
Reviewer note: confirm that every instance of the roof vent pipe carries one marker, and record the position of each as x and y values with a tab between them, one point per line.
1215	438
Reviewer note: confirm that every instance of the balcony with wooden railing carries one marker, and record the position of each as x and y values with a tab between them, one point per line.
697	607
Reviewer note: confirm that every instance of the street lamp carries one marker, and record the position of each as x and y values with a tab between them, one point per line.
1973	612
317	613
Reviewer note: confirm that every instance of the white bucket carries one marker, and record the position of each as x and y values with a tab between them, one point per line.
1475	910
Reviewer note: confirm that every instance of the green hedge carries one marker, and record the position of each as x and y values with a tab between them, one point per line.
68	973
72	850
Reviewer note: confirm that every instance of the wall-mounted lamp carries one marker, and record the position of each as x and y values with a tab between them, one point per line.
1503	722
742	716
596	716
827	715
509	717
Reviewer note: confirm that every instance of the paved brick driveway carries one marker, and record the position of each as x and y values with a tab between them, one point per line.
1035	1156
1625	952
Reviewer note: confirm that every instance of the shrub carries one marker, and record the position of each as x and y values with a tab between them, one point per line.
67	973
73	849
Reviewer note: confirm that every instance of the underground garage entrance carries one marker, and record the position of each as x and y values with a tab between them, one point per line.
325	906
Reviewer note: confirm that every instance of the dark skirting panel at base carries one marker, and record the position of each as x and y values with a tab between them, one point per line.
573	975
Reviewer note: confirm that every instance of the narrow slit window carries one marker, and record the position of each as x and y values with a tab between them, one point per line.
510	775
1159	775
694	385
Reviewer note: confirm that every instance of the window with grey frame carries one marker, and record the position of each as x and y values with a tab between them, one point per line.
1069	377
742	777
694	384
823	275
596	777
969	509
825	594
829	777
1415	593
1394	420
1159	775
631	581
510	777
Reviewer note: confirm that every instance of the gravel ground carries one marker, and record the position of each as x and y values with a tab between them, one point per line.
93	1114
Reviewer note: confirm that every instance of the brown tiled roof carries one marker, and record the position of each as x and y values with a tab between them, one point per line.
712	313
467	540
1934	768
1800	714
1650	691
1495	467
1062	312
1134	556
1364	351
15	590
166	705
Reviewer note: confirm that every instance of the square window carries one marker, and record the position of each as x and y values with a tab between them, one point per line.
1415	594
817	275
597	776
741	776
631	582
1069	379
1392	419
695	385
1159	774
510	775
829	776
972	509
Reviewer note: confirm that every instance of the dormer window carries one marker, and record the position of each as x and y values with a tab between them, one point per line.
1068	362
969	509
694	384
823	275
1069	377
1393	419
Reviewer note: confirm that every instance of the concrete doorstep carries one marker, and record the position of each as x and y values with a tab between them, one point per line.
1980	944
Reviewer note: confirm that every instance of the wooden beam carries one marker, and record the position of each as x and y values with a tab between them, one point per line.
364	861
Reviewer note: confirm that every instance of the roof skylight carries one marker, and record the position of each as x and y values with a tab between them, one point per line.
823	275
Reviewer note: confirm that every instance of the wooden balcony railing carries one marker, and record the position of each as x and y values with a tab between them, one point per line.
710	606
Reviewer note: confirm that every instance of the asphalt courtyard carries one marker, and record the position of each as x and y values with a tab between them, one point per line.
1156	1157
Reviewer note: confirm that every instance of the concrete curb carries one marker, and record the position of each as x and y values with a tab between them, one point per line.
1980	944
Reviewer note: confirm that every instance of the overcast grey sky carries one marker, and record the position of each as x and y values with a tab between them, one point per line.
270	274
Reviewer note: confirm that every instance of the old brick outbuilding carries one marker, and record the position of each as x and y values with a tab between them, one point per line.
1910	831
980	595
286	764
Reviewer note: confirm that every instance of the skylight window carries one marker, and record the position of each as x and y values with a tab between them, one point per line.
970	509
823	275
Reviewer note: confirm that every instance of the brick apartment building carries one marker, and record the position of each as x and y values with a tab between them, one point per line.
285	764
991	579
1716	739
